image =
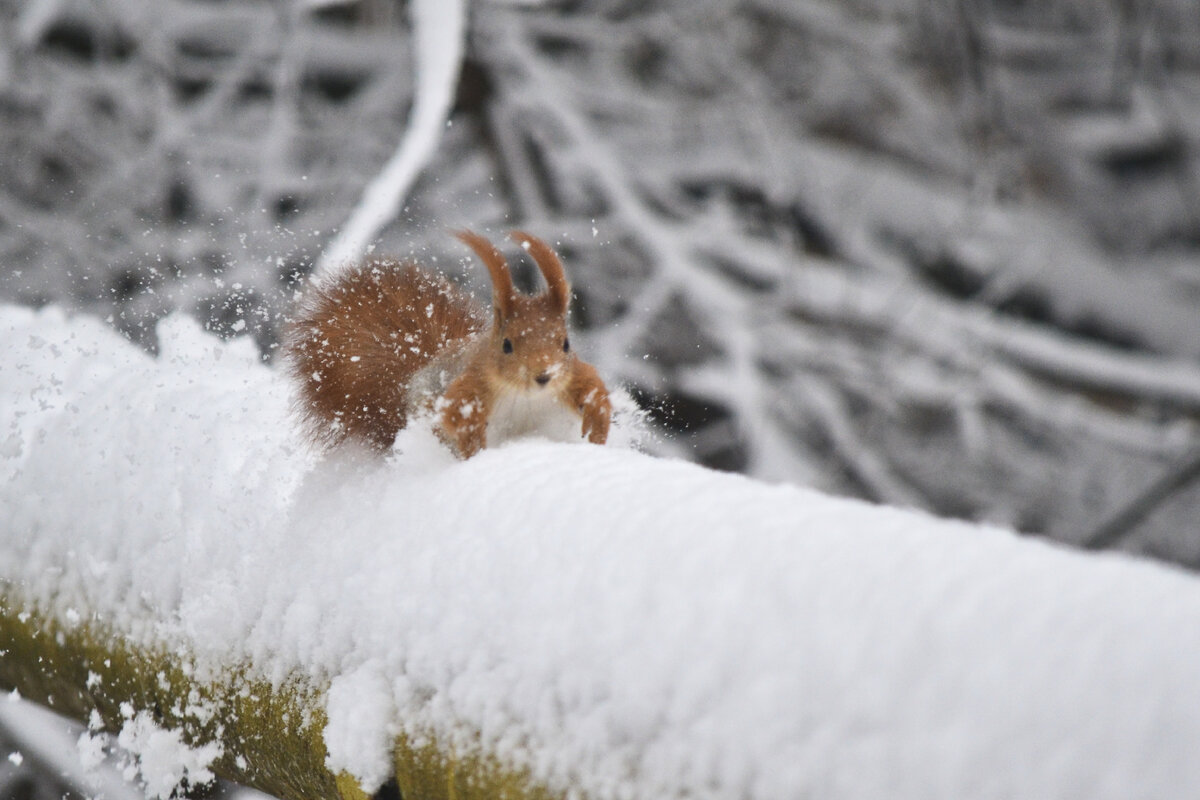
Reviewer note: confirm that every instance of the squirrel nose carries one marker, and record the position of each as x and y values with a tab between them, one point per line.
543	379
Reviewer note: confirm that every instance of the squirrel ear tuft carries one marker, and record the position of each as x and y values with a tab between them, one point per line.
552	269
503	293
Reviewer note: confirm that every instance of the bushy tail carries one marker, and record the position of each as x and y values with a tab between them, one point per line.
358	340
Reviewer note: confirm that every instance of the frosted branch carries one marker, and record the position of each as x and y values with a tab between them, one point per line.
439	28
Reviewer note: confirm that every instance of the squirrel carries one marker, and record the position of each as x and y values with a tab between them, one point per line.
384	341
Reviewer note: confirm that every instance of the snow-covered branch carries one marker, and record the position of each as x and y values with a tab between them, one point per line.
439	28
543	620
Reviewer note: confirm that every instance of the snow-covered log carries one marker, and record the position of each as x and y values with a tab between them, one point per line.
543	620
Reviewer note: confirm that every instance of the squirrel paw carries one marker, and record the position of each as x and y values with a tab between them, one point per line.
464	427
596	410
596	422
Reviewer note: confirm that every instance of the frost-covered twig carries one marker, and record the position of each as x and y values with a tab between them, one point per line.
1125	520
439	29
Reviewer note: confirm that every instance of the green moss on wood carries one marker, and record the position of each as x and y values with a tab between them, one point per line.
74	670
272	735
431	772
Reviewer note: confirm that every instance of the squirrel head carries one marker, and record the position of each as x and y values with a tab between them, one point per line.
527	349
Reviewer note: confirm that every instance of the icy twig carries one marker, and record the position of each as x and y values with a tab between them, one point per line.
440	30
1128	517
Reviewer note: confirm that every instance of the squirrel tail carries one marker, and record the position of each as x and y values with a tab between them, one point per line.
358	340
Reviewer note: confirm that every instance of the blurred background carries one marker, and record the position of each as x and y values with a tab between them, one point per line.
936	253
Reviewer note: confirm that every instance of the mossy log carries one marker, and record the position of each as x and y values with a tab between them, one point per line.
271	734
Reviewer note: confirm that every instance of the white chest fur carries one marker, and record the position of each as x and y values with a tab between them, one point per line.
533	413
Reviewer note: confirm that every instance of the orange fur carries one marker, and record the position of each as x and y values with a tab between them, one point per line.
359	343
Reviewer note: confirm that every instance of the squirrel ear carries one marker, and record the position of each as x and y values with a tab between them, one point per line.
551	267
493	259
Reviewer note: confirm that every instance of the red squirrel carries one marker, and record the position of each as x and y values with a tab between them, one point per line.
383	341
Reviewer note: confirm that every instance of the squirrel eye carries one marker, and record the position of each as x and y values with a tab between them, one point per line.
566	345
507	345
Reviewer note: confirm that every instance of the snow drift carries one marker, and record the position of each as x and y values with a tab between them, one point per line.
608	624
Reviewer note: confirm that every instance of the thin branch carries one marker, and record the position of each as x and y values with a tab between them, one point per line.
1122	524
440	31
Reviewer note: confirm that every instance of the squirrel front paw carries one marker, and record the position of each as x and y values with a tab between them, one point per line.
463	423
596	420
591	398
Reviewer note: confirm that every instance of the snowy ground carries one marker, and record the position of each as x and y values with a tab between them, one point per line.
620	626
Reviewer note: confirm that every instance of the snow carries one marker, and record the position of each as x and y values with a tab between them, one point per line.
622	626
162	759
361	729
50	740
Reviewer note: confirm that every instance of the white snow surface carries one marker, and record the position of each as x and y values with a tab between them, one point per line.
56	744
623	627
162	759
